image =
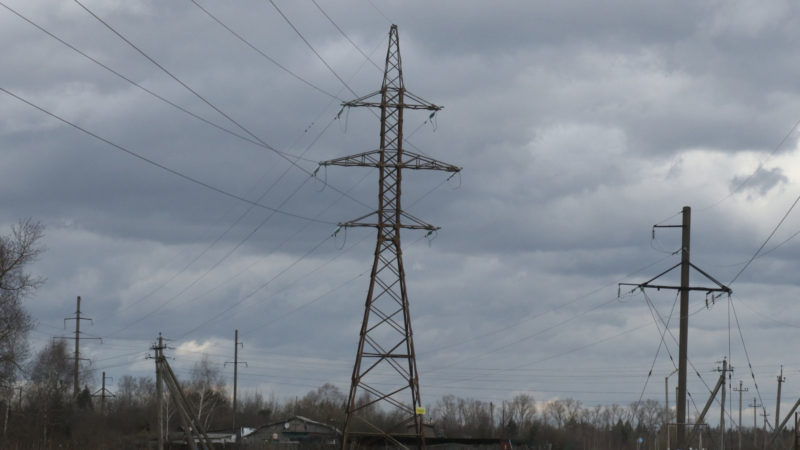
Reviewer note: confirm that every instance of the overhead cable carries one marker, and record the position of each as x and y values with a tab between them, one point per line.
161	166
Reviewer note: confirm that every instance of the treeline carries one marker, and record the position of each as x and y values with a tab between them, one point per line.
46	414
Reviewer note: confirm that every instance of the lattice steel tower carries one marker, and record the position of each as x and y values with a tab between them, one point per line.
385	354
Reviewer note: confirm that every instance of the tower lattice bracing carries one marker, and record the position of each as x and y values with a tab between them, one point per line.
385	371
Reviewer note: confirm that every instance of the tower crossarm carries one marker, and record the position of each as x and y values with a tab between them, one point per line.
414	103
410	160
412	223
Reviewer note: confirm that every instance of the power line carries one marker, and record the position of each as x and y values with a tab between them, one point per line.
161	166
661	342
774	230
379	11
760	166
214	266
238	245
560	306
254	292
345	35
146	90
230	227
202	98
260	52
746	353
344	83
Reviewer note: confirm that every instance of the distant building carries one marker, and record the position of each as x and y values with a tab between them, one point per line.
295	431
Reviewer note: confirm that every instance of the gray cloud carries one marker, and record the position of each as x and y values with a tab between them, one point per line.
578	125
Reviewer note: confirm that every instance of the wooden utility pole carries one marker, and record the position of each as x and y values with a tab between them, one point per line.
236	363
686	230
740	390
684	288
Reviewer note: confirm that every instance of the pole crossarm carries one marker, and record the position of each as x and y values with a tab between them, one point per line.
410	160
649	283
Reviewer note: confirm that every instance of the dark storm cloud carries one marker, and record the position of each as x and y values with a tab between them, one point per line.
761	181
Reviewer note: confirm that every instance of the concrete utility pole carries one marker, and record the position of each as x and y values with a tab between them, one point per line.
684	288
765	414
236	363
722	405
667	411
720	386
755	406
158	348
781	379
796	442
103	393
491	417
740	390
77	338
191	426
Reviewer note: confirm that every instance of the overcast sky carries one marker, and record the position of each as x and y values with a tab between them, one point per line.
578	125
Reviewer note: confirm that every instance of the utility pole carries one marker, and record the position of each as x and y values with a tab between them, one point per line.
765	414
722	405
684	288
159	350
77	318
191	425
755	406
740	390
386	341
103	393
491	416
236	363
667	411
781	380
686	230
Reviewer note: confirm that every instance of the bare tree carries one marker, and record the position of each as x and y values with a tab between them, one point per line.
522	409
206	390
17	251
326	403
556	413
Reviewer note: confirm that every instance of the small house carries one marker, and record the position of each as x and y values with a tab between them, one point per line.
295	431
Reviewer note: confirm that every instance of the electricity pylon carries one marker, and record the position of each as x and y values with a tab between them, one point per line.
386	345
